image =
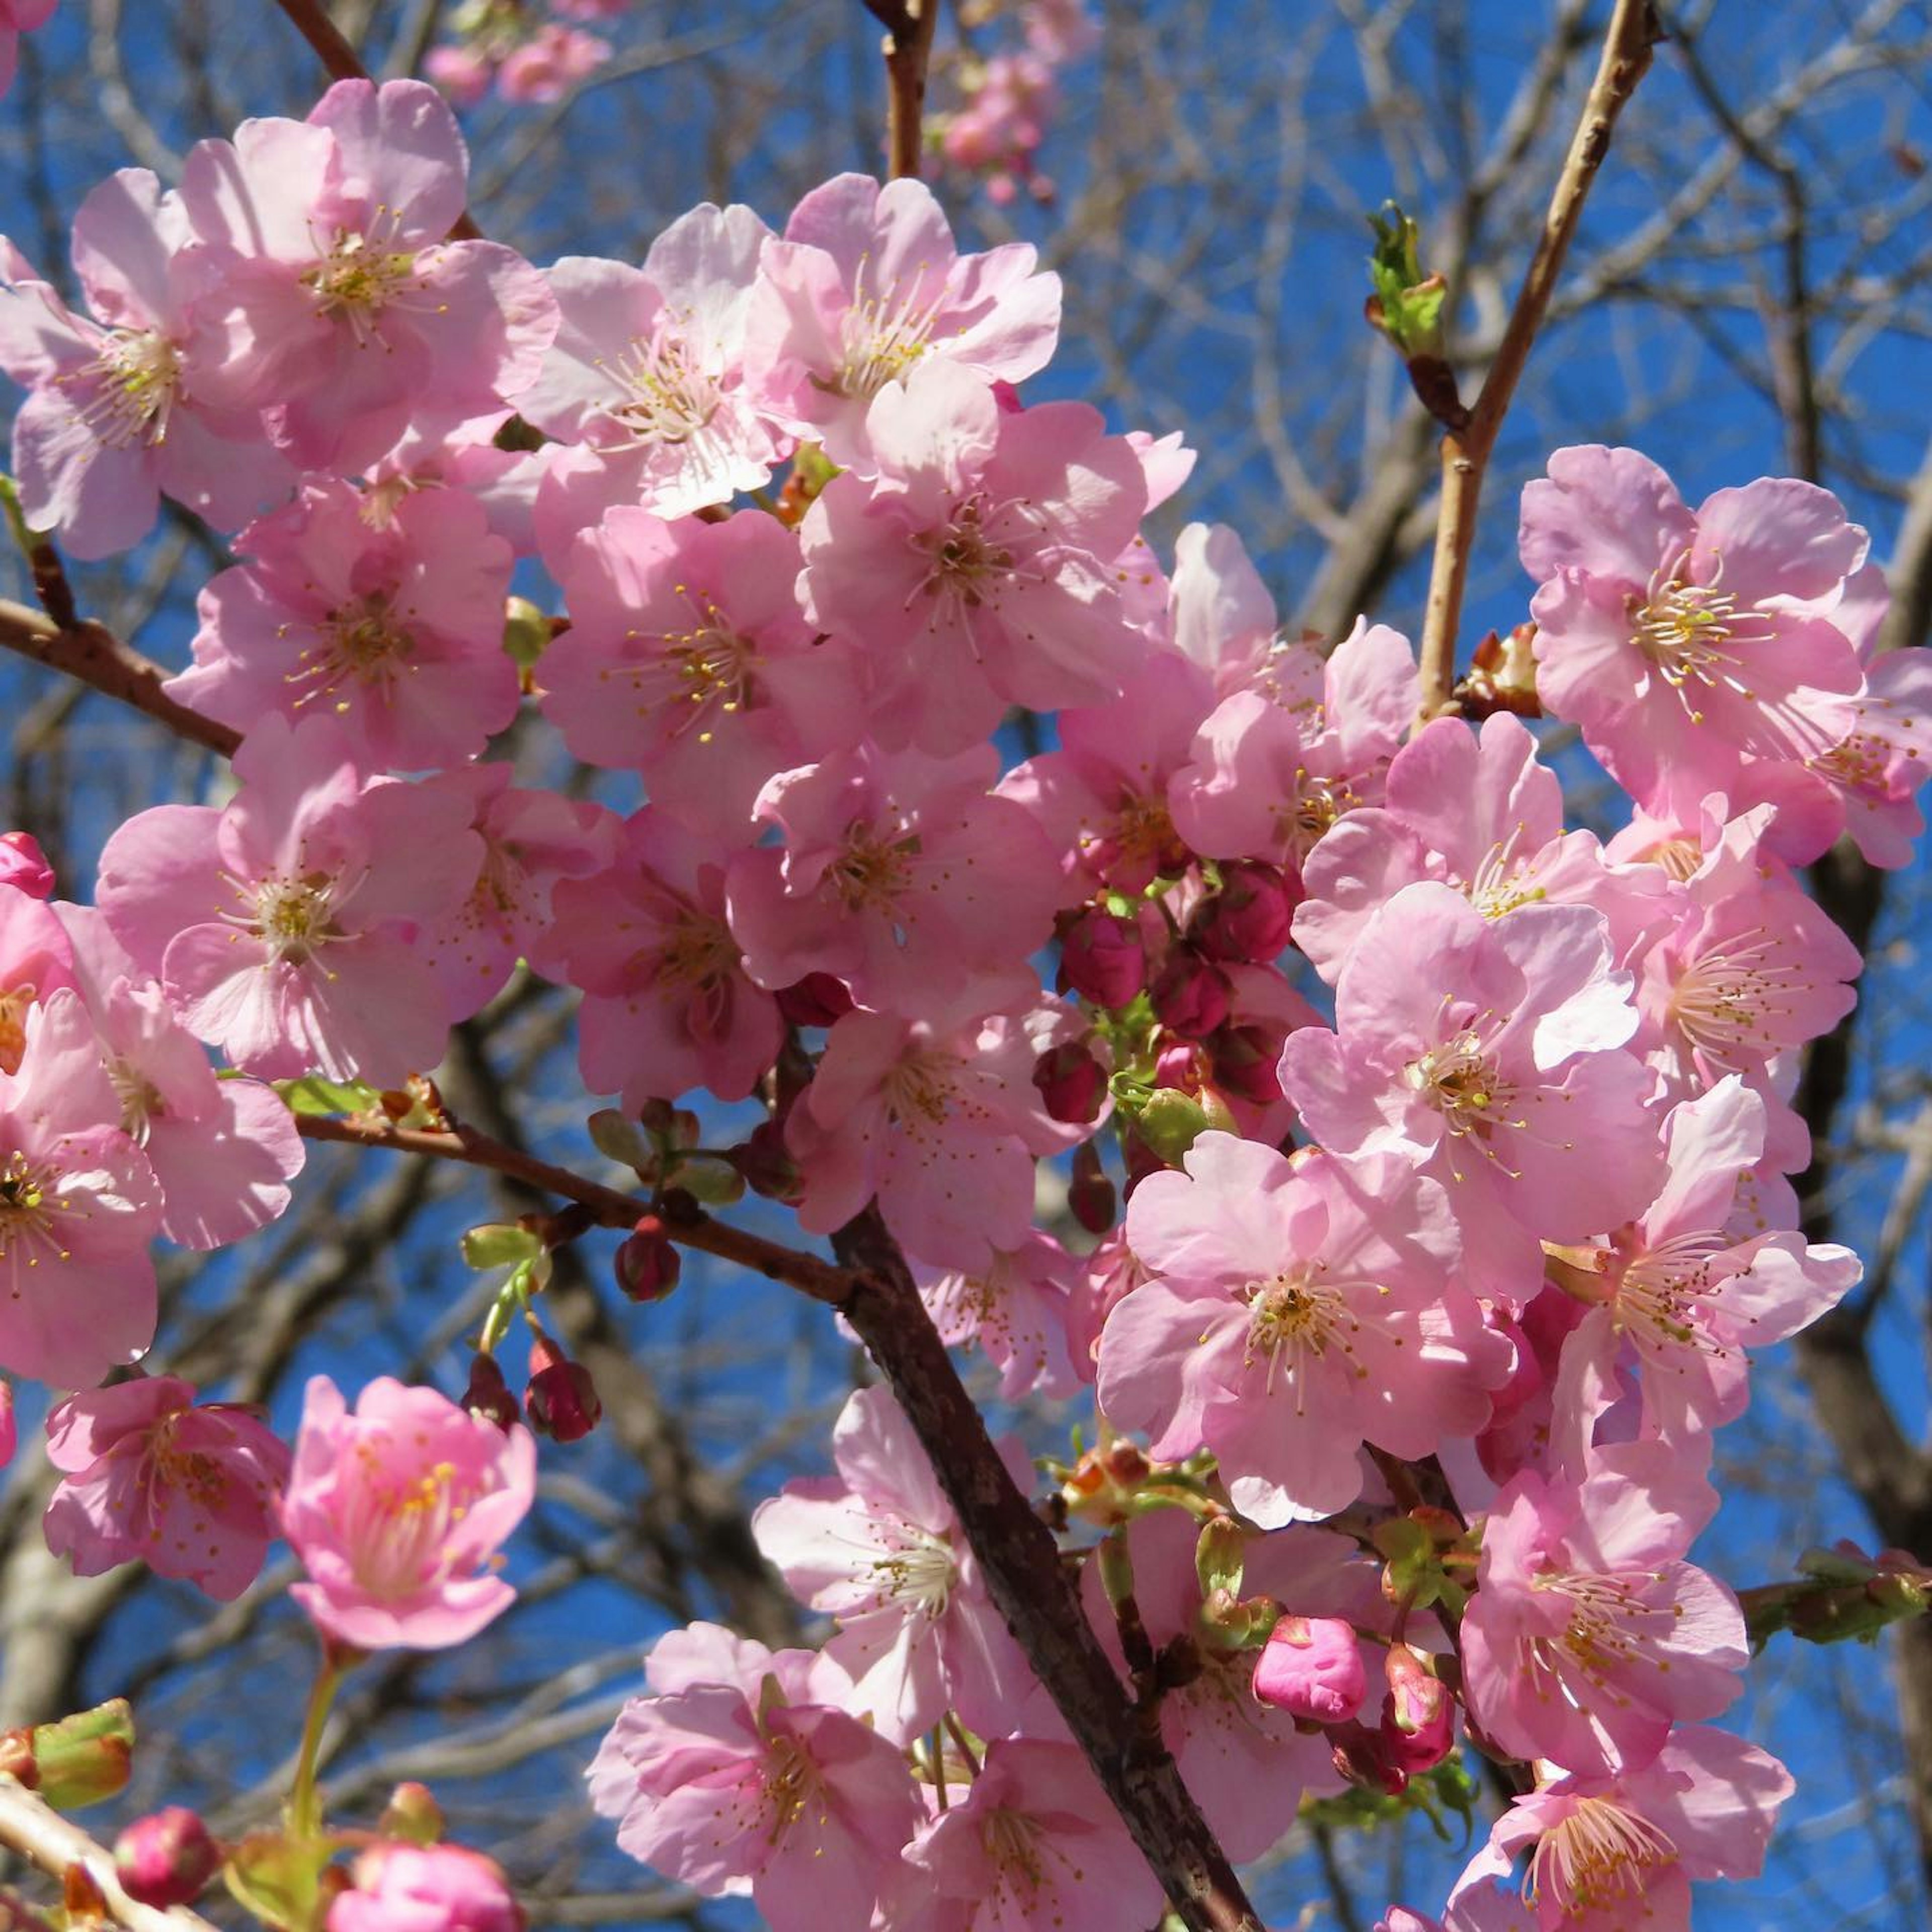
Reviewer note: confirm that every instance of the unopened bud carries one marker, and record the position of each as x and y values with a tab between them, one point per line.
560	1398
1247	920
1361	1756
1311	1667
1071	1083
647	1263
83	1758
488	1394
1245	1058
24	866
1416	1714
412	1815
1091	1197
818	1000
166	1858
766	1163
1190	994
1101	957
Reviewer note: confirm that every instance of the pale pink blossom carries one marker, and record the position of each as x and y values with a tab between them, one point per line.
741	1766
398	1887
326	294
547	65
283	926
1016	1310
866	286
667	1005
1607	1852
1489	1055
644	386
1034	1842
981	569
79	1205
224	1151
899	873
149	1476
463	73
1297	1309
1589	1636
116	417
394	629
398	1512
1684	646
1224	619
879	1547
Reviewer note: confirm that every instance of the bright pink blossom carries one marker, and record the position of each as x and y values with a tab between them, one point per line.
396	1887
879	1547
395	630
1297	1309
982	569
328	296
1683	646
36	958
866	286
23	865
282	926
149	1477
79	1205
741	1766
1015	1310
398	1512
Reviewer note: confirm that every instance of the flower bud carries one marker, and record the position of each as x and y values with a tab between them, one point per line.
1071	1082
412	1815
1361	1756
1089	1193
817	1000
767	1164
1416	1714
647	1263
166	1858
1101	957
1245	1059
488	1395
24	866
1190	996
1247	920
81	1759
1311	1667
561	1399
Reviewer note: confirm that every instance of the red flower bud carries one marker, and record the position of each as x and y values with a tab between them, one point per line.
816	1000
561	1398
1247	919
24	865
647	1264
1090	1194
1190	996
1245	1060
489	1395
166	1858
767	1164
1101	957
1071	1082
1416	1714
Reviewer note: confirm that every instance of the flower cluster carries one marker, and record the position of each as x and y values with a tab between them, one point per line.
1508	1195
1009	99
525	52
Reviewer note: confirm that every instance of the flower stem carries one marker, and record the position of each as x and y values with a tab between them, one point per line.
304	1800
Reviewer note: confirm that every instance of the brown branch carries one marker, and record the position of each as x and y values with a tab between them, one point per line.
1633	32
40	1834
91	653
909	26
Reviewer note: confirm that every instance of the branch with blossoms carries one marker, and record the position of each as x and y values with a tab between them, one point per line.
1405	1361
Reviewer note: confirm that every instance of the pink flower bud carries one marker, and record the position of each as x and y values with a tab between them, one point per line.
560	1398
462	73
1245	1059
816	1000
1311	1667
413	1814
24	866
1071	1082
1190	996
767	1163
403	1888
1416	1714
1247	920
1101	957
1089	1193
647	1264
166	1858
1361	1756
488	1395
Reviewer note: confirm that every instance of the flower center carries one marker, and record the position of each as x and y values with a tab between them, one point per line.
1729	1002
880	339
671	395
1692	632
27	1205
1502	884
397	1538
920	1573
918	1091
967	566
362	642
1659	1292
359	276
1294	1319
136	376
871	874
141	1102
15	1003
293	916
1599	1855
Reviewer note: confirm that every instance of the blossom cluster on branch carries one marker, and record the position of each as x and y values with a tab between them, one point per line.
1455	1144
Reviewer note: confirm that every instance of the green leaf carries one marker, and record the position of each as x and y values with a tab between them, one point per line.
313	1094
83	1758
499	1244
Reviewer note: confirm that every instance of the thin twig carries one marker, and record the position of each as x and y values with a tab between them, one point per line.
1633	32
909	26
40	1834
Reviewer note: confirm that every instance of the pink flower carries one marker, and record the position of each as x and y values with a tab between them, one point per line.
463	73
739	1765
982	569
224	1151
1274	766
150	1477
79	1205
1589	1636
1016	1310
23	865
1607	1853
688	659
939	1118
644	386
396	631
328	296
879	1548
404	1888
1311	1667
866	286
1683	646
901	875
282	926
1487	1055
668	1005
1034	1842
116	416
1297	1309
551	62
36	958
398	1512
1224	619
